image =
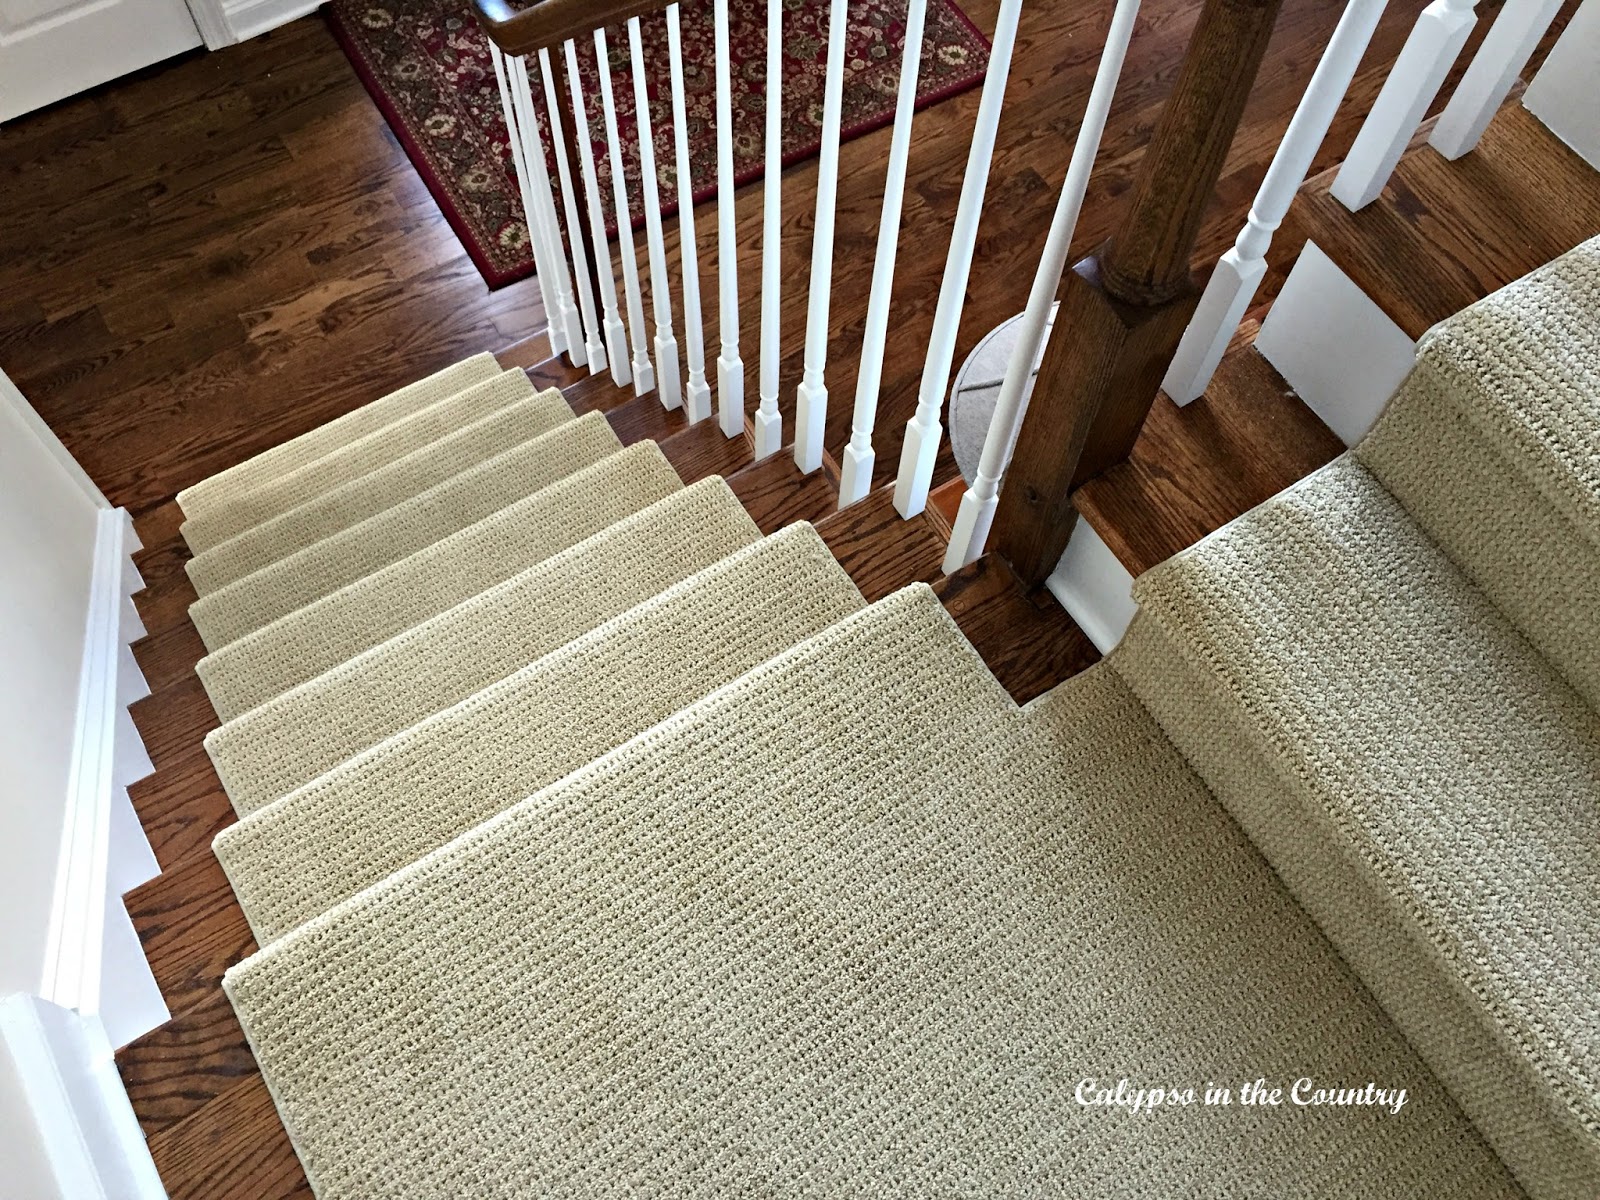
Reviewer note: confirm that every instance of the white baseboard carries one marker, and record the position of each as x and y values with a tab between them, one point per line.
1338	350
224	22
88	967
1094	587
67	1131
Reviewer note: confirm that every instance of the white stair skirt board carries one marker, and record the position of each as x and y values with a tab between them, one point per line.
1094	587
93	961
67	1131
977	388
1562	94
1334	346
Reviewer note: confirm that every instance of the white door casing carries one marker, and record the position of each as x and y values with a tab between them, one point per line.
51	49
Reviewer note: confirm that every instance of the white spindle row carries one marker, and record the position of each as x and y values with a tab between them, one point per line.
697	395
921	445
768	421
594	346
1412	84
616	336
660	292
730	367
978	503
544	203
1505	51
1239	272
644	378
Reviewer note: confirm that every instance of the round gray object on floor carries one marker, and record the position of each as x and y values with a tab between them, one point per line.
977	388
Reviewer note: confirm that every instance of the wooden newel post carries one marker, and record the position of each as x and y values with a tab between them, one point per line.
1124	309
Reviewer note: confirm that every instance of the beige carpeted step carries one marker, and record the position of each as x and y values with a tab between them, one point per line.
291	739
368	495
246	508
342	558
850	926
299	856
338	627
1426	783
220	489
1493	444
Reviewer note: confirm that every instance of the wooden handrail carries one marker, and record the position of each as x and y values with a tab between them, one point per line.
1123	310
546	23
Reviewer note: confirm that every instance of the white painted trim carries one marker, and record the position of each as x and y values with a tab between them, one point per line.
108	755
13	399
75	1111
1094	587
1562	94
224	22
1340	352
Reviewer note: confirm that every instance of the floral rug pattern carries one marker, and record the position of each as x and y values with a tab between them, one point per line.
426	64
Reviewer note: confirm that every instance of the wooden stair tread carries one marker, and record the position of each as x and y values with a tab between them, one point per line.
703	450
233	1148
1196	468
177	1068
881	550
1444	234
1030	643
776	494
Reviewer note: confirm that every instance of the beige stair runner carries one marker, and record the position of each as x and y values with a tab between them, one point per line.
342	558
368	495
305	643
247	508
291	739
851	926
301	855
218	490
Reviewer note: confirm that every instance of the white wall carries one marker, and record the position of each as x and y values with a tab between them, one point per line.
48	524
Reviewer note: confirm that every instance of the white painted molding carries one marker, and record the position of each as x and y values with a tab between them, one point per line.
99	848
1340	352
1094	587
1562	94
67	1130
224	22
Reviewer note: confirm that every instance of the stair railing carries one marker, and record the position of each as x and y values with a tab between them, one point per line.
1511	41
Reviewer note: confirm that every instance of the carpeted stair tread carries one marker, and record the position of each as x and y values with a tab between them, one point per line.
305	643
299	856
306	576
292	739
1423	774
274	497
1493	445
218	490
853	925
368	495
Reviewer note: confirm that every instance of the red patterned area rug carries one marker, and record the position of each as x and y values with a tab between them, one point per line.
426	64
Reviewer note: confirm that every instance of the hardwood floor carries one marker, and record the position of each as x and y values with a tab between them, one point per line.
217	254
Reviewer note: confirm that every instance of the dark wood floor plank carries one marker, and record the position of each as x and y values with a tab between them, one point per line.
233	1148
777	494
171	1072
191	928
881	550
703	450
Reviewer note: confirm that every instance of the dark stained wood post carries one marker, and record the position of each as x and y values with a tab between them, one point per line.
1124	309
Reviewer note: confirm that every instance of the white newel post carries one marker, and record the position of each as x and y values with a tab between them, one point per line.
616	335
855	471
594	345
644	376
923	431
1239	272
514	118
811	401
668	378
1418	74
1505	51
978	503
697	393
544	202
730	367
768	420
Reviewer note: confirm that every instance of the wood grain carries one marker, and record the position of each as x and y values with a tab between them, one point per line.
881	551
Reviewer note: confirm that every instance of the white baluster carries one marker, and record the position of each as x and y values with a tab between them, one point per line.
697	394
768	420
644	376
1505	51
514	118
811	401
923	431
616	335
855	471
1239	272
660	289
1418	74
539	184
730	367
978	504
593	338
